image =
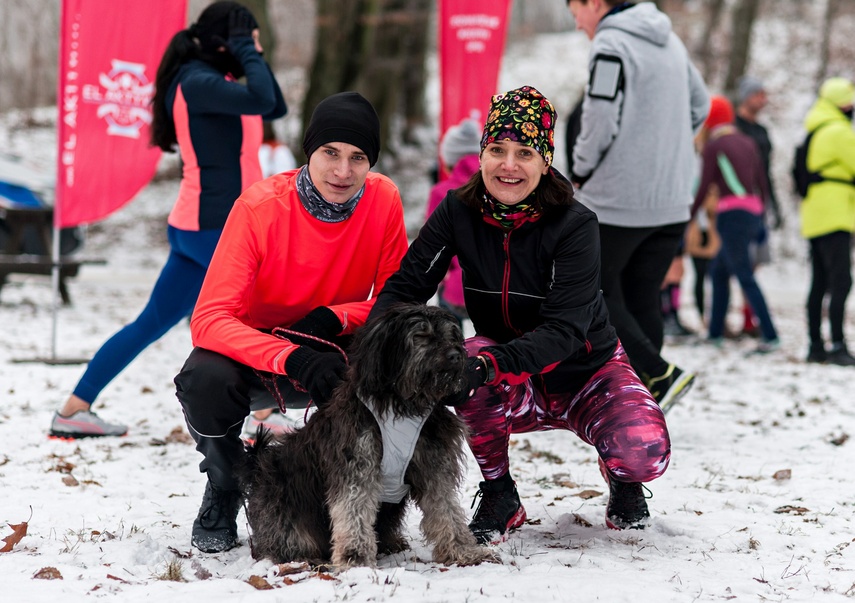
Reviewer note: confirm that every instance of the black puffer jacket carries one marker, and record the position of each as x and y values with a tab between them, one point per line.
535	289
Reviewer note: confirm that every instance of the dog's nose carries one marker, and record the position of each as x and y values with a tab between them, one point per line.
454	356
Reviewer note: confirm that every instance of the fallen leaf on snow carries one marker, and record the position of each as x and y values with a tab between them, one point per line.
783	474
586	494
48	573
178	436
839	440
18	531
180	554
295	567
259	583
792	510
199	571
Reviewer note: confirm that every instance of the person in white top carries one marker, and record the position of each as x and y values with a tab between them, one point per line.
275	157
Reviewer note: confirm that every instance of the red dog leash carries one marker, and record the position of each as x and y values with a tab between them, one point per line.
269	379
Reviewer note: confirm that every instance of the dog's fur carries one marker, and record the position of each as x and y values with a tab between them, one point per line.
315	494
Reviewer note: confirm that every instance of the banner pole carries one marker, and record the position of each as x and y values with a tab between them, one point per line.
54	277
57	200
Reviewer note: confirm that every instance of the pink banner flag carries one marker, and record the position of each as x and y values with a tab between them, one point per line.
471	43
108	57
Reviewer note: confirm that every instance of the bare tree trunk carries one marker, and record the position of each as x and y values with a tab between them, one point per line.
415	70
340	38
704	50
832	8
740	47
393	77
377	47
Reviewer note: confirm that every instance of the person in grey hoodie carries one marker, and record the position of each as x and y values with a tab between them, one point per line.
634	165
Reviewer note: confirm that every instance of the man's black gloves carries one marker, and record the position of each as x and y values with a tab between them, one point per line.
318	372
241	23
320	322
476	376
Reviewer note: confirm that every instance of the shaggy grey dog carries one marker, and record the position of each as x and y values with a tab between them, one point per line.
316	494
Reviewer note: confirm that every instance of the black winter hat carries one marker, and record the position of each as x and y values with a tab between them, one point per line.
344	117
212	26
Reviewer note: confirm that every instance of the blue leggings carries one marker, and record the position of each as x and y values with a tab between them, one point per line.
173	298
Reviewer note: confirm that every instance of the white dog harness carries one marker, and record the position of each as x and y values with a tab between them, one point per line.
399	436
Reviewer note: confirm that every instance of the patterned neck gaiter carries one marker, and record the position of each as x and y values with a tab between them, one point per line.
319	207
508	217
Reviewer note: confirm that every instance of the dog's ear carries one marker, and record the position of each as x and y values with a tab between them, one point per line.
379	352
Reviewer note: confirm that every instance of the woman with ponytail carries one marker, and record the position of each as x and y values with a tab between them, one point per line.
200	110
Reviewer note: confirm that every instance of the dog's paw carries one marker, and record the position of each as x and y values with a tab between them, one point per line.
393	545
352	558
474	555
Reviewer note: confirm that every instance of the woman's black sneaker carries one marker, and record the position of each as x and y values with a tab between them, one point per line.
498	512
627	506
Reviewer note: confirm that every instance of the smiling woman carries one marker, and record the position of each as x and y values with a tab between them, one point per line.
511	170
544	355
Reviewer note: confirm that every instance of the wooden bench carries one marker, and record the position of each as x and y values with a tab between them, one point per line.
14	258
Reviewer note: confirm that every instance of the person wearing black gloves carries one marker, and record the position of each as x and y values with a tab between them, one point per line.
291	279
544	355
216	124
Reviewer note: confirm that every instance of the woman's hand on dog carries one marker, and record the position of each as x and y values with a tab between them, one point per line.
318	372
476	376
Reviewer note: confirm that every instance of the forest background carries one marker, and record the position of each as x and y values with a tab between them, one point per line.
386	49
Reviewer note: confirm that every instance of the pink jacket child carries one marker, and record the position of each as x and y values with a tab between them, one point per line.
459	150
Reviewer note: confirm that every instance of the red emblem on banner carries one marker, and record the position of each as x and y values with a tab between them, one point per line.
123	96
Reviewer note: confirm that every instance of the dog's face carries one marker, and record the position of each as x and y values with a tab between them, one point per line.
412	356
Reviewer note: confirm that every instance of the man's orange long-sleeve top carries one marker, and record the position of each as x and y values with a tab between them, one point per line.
275	262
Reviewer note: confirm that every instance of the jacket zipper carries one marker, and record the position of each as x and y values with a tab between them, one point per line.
506	281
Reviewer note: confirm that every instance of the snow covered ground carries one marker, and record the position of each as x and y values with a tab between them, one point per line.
756	505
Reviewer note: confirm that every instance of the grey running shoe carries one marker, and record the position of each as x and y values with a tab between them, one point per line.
84	424
766	347
276	423
215	528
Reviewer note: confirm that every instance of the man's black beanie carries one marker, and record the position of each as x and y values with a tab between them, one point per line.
344	117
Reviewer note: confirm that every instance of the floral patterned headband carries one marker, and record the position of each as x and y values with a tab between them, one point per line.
523	115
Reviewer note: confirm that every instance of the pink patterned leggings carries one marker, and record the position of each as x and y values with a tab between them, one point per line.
613	412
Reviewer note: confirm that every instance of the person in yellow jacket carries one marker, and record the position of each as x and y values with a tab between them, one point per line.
828	215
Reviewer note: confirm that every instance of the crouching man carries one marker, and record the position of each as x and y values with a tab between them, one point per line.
302	250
